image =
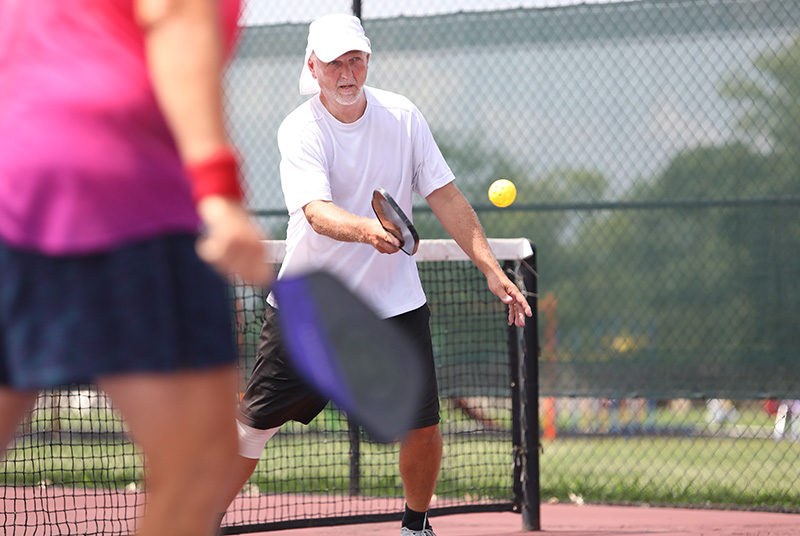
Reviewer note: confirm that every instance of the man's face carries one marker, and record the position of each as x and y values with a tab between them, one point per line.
341	80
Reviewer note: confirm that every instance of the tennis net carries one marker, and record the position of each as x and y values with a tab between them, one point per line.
73	470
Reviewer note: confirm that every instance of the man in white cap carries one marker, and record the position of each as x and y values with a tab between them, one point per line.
336	148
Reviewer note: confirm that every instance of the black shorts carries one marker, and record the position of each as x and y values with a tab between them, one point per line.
276	394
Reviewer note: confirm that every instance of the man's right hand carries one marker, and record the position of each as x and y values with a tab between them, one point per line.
381	239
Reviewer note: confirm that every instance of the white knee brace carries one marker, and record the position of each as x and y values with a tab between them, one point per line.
252	440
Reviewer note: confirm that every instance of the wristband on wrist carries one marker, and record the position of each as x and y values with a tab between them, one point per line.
216	175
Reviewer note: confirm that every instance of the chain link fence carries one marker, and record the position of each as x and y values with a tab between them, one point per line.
655	146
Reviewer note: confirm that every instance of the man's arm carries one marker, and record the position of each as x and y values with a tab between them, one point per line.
460	221
335	222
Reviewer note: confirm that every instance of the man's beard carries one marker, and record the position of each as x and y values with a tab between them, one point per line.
347	100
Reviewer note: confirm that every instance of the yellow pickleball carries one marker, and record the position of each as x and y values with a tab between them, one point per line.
502	192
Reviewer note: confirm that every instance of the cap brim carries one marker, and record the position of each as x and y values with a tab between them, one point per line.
343	46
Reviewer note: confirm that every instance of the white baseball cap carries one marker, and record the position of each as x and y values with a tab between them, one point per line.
329	37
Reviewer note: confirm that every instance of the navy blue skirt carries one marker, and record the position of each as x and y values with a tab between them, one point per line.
151	306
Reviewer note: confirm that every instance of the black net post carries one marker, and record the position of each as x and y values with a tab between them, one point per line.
515	348
354	435
529	402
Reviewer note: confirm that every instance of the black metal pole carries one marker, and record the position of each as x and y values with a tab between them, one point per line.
514	351
529	391
357	8
355	458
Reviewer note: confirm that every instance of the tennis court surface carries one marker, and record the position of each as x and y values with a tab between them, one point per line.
588	520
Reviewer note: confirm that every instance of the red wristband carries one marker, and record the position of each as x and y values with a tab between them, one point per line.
216	175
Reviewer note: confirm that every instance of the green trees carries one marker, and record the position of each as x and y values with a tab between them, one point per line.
696	270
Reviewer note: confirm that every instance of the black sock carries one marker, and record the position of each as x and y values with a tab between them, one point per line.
415	520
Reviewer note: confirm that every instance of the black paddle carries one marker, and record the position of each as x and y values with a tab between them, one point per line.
395	221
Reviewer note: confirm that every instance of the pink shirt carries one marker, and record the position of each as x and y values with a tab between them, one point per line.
87	161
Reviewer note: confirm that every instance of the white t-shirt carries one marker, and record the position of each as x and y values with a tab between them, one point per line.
390	146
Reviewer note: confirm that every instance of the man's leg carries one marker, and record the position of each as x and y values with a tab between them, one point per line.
272	384
421	448
251	443
243	469
420	459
